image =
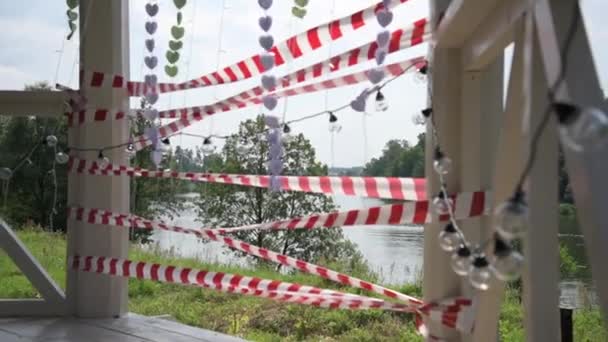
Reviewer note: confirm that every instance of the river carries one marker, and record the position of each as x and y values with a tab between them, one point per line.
393	252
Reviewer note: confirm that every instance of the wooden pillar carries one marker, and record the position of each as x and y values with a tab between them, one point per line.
105	48
439	281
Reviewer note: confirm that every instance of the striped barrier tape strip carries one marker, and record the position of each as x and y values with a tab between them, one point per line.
198	113
285	51
231	283
373	187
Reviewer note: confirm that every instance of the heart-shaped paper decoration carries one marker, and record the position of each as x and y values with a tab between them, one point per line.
276	166
151	114
152	9
179	3
382	38
376	75
151	27
269	82
152	98
267	61
272	136
175	45
156	156
177	32
386	3
265	23
266	41
298	12
384	17
301	3
151	81
265	4
276	150
172	56
271	121
72	4
171	70
71	15
380	56
274	184
358	104
151	61
150	45
270	102
152	135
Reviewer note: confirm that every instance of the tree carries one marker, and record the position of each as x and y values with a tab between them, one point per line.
398	159
231	206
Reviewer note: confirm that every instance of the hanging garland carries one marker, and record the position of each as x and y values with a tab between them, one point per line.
299	8
72	17
177	33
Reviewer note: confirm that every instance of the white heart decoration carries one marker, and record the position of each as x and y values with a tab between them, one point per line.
151	61
151	114
151	81
152	98
380	56
382	38
152	9
269	82
266	42
376	75
265	4
150	45
270	102
384	17
157	157
151	27
271	121
265	23
358	104
267	61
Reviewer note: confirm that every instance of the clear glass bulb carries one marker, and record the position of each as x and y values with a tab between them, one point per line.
51	141
511	218
442	165
103	162
335	127
449	239
507	266
480	274
5	173
381	103
441	205
461	261
587	129
208	148
130	151
61	158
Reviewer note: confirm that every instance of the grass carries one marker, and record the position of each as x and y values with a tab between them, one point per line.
259	319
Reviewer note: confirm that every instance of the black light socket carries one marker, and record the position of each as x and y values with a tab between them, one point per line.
566	112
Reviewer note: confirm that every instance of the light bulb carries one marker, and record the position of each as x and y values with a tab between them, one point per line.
51	141
442	164
381	103
449	238
461	261
103	162
441	205
242	149
507	263
130	151
207	146
334	126
286	129
61	158
582	129
511	217
480	274
5	173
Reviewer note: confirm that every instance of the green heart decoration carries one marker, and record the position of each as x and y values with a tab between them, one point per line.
301	3
175	45
72	4
171	70
179	3
179	18
172	56
177	32
298	12
72	17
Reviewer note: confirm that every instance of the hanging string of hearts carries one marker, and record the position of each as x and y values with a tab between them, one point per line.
72	17
177	33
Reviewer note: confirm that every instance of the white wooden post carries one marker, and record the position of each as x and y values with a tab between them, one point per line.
105	48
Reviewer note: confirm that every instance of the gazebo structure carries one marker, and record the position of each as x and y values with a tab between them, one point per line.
488	140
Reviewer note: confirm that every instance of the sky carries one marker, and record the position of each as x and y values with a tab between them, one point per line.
34	49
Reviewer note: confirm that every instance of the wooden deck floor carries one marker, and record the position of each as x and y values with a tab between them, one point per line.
130	328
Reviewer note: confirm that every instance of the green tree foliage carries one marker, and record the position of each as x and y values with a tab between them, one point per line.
398	159
233	206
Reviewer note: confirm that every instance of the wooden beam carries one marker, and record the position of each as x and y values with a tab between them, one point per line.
31	268
31	308
491	37
587	170
26	103
460	20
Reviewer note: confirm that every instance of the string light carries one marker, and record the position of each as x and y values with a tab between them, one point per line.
441	204
381	103
581	128
51	141
461	261
511	217
334	126
442	164
507	263
102	161
450	239
207	146
480	274
62	158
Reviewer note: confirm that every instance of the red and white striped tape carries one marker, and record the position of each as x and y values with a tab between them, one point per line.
189	116
231	283
373	187
285	51
89	116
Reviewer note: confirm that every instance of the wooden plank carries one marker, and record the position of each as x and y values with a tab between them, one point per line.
30	308
491	37
588	170
26	103
29	266
460	20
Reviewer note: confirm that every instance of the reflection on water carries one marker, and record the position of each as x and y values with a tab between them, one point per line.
393	252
